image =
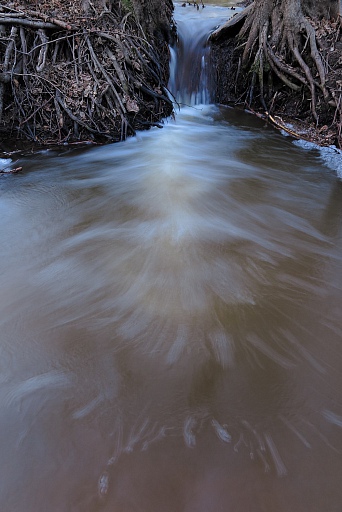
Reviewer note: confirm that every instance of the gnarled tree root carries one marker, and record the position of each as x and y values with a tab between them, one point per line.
99	80
275	49
271	33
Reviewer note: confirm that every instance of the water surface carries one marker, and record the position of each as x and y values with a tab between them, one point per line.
170	318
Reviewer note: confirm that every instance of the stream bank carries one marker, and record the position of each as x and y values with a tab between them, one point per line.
302	96
98	72
83	71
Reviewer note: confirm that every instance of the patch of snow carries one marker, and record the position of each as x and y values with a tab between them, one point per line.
331	155
5	163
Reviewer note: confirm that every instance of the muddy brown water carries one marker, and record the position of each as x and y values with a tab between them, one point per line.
171	329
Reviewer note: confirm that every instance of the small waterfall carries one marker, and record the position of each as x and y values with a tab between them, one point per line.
190	76
188	66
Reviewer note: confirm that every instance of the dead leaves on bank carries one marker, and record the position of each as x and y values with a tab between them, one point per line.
67	75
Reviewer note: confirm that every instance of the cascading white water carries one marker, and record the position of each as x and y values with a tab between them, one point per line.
190	74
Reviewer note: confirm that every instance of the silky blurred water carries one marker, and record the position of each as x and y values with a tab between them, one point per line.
170	319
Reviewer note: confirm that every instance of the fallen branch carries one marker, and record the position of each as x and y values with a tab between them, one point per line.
10	171
27	23
232	26
54	21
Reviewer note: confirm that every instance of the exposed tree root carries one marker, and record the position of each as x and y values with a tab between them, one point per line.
284	28
279	48
96	78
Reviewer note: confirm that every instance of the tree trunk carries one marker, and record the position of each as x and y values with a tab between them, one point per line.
154	16
328	9
285	45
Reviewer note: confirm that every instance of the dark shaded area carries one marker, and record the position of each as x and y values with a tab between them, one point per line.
88	71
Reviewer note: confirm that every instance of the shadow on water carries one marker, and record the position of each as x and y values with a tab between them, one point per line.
170	324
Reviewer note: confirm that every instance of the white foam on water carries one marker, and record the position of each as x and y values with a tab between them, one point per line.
189	436
221	431
331	155
53	379
333	418
5	164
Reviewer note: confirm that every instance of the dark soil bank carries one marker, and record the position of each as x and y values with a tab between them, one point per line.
83	71
289	76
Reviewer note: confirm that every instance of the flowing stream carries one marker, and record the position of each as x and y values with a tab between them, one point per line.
170	316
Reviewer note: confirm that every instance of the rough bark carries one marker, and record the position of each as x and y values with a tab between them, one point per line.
328	9
154	16
283	48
